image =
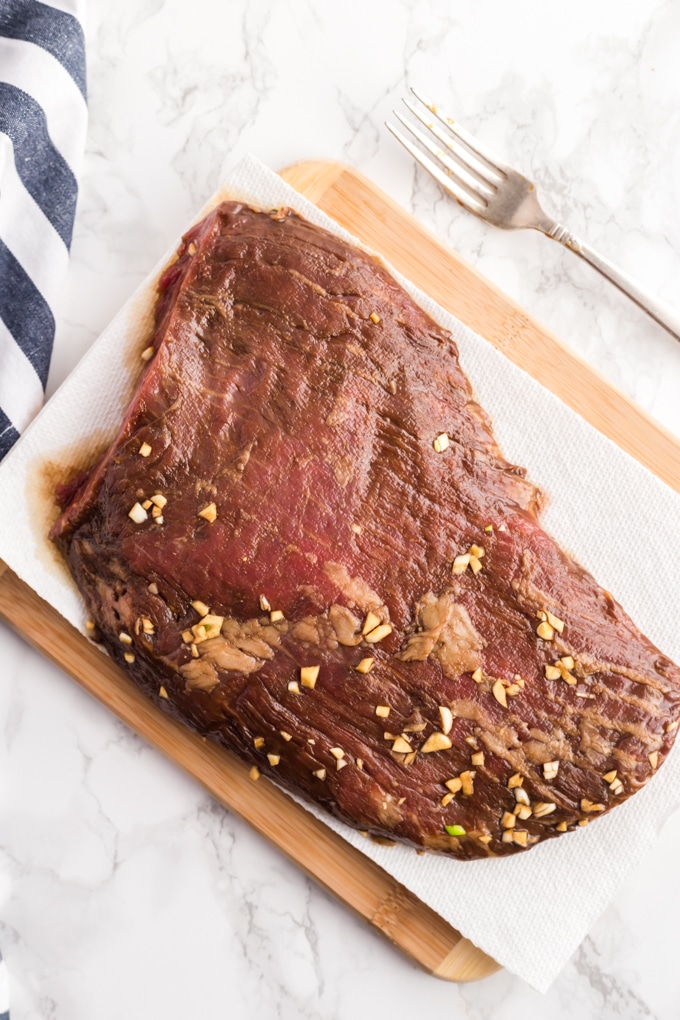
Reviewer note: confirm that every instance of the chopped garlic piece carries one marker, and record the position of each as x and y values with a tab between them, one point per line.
382	711
264	604
543	808
478	758
466	779
441	443
209	512
365	666
273	759
567	676
162	692
200	607
309	676
436	742
138	514
555	622
370	623
498	691
320	774
275	615
401	746
446	717
144	450
209	627
378	634
461	563
589	807
147	353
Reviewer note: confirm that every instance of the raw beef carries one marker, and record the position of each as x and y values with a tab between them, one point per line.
305	543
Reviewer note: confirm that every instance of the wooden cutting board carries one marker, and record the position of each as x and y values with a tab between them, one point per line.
359	206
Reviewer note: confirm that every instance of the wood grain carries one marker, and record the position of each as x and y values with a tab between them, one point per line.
344	871
356	203
359	206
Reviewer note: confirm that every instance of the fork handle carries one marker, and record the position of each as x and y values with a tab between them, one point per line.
662	313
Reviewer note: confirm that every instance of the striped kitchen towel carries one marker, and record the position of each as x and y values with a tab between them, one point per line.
43	117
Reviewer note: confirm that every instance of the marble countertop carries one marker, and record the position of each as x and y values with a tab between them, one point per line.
124	890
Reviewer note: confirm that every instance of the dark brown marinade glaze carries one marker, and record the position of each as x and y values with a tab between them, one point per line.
297	387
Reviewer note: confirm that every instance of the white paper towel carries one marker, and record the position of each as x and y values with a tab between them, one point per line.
529	911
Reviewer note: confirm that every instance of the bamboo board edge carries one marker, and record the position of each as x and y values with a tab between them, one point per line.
356	203
355	880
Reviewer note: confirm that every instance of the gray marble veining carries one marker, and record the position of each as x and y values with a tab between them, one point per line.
123	890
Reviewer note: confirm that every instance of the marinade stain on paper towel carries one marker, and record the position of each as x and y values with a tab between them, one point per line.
45	474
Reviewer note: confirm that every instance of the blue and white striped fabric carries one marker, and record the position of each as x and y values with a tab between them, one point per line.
43	117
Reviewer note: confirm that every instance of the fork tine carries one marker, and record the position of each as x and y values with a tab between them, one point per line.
464	136
461	196
460	176
470	165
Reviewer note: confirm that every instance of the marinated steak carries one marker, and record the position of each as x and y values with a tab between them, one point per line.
305	543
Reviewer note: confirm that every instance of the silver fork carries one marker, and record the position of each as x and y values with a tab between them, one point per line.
486	186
